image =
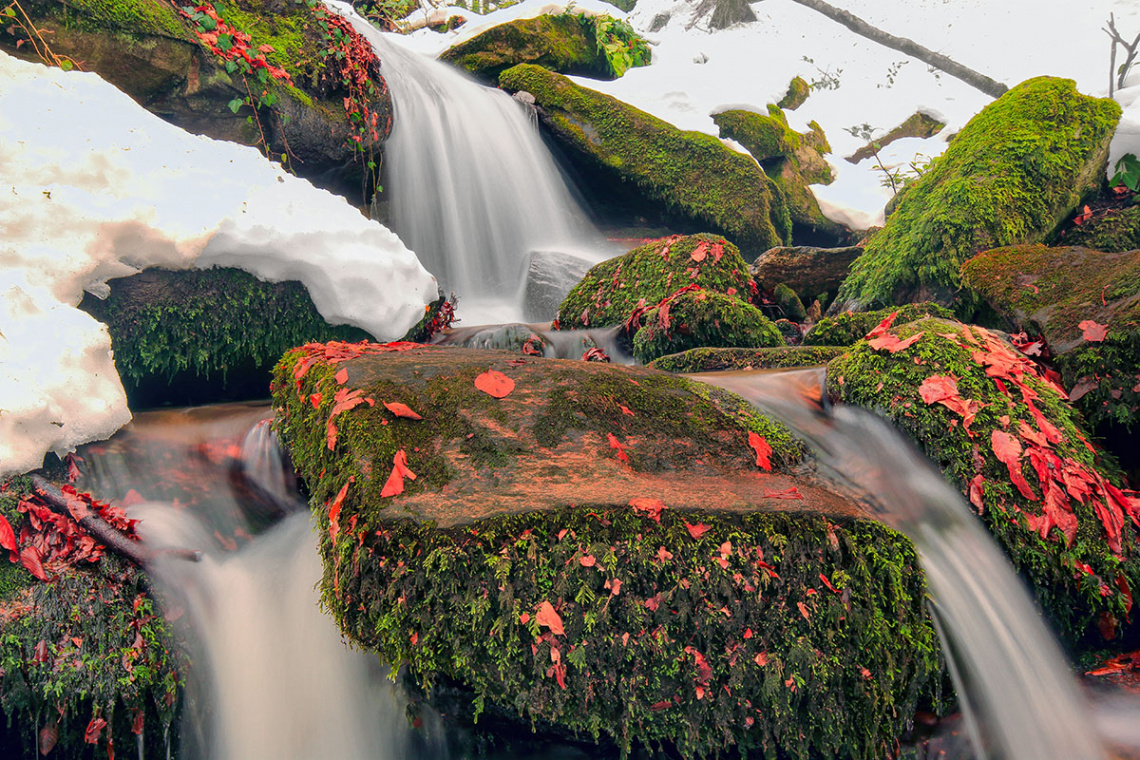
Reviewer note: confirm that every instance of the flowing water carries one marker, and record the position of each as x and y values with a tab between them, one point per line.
475	189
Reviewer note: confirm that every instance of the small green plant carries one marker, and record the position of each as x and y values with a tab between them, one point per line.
14	20
619	43
892	178
1127	177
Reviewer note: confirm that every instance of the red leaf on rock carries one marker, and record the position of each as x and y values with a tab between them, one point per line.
804	610
341	377
1008	451
762	449
334	510
698	530
395	484
315	400
616	444
30	559
1084	216
827	583
882	326
546	616
8	538
761	659
401	410
94	730
495	384
650	508
138	722
664	555
1093	332
937	388
791	492
625	411
700	252
892	344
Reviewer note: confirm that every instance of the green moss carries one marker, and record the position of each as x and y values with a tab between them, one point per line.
287	32
890	383
791	304
1012	175
1115	231
850	327
134	16
688	650
703	318
797	94
765	137
718	359
690	173
206	323
1049	292
611	290
556	42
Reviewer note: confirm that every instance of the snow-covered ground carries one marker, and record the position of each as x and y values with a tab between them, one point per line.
697	72
94	187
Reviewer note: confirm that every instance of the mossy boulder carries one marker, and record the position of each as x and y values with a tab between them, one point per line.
796	96
849	328
611	290
150	50
1008	440
793	161
699	318
1011	176
197	336
86	644
1052	292
720	359
690	174
789	303
1112	231
653	623
807	270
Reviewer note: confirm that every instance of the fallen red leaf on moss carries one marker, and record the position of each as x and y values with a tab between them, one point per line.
760	445
891	342
587	560
883	326
8	538
1008	451
546	616
401	410
395	483
698	530
495	383
650	508
1092	331
334	510
761	659
976	494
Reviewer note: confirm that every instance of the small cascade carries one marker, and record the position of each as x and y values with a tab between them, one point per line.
474	189
272	678
1019	699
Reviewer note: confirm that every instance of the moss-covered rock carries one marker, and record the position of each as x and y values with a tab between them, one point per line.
807	270
1012	175
193	336
611	290
789	303
88	644
699	318
796	96
720	359
793	161
691	174
151	50
917	124
1112	231
1052	292
652	623
973	404
849	328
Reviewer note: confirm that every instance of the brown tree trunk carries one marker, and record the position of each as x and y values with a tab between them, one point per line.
910	47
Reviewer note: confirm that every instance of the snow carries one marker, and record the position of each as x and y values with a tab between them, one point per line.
697	71
93	187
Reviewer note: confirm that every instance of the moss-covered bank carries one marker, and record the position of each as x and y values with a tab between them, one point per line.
1057	293
199	335
849	328
690	173
1007	439
702	318
1012	175
578	586
720	359
1112	231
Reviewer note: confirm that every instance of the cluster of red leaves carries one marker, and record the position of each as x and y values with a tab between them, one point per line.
52	542
229	44
1061	480
637	317
352	59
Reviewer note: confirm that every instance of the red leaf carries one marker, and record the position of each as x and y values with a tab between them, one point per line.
976	494
138	722
494	383
892	344
548	617
1084	216
8	538
791	492
650	508
1008	451
395	484
804	610
664	555
883	326
30	558
616	444
626	411
49	736
94	730
762	449
401	410
341	377
334	510
588	560
699	252
761	659
1093	332
315	400
827	583
696	531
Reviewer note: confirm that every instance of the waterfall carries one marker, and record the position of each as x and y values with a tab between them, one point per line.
474	190
1019	699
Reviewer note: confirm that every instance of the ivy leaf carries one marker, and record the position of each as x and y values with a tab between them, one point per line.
236	104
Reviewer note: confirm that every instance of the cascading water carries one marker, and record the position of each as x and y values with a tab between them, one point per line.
475	190
272	677
1023	703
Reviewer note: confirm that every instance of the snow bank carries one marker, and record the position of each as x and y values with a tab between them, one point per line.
93	187
697	71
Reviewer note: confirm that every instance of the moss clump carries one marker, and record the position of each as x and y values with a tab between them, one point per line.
1114	231
138	17
796	96
556	42
690	173
702	318
1080	569
205	324
728	640
719	359
917	124
611	290
1050	292
790	303
1011	176
849	328
765	137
